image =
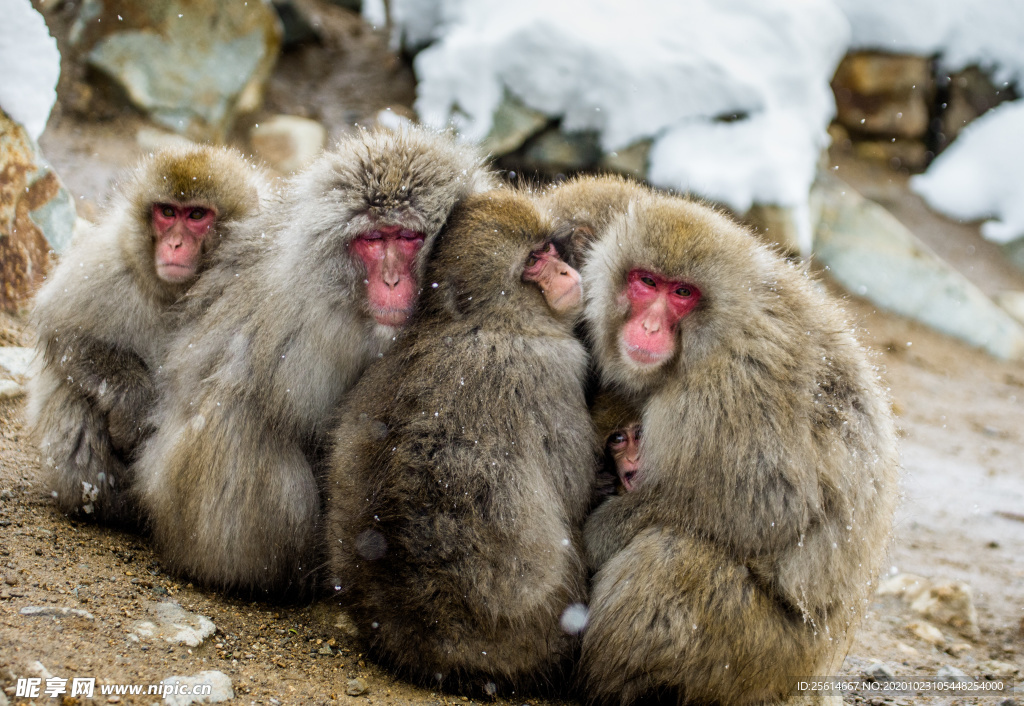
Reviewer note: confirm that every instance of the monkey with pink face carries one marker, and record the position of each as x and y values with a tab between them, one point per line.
249	390
745	555
106	314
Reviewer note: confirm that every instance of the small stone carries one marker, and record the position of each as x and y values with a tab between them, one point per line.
927	632
220	683
950	603
957	649
325	650
11	579
879	671
952	674
55	611
175	625
356	687
10	390
907	649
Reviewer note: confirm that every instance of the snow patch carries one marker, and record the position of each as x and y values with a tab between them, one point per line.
30	66
981	174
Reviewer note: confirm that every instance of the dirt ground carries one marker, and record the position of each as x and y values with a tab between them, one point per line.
961	415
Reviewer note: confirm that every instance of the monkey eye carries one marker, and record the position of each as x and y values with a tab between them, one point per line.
197	213
649	281
167	211
532	260
410	235
617	439
683	292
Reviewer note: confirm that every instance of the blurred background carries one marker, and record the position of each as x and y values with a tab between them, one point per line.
879	141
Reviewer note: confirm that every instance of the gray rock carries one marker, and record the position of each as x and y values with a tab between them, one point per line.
172	623
514	123
1015	252
776	225
191	65
356	687
10	390
879	671
56	612
1012	303
16	359
873	255
631	160
554	151
220	689
950	603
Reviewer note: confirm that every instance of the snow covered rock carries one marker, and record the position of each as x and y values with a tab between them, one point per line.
733	96
981	175
30	66
192	66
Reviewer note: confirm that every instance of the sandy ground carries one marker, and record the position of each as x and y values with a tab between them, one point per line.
961	415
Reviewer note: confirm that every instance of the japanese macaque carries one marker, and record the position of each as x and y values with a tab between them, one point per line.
103	318
744	557
228	479
588	204
618	434
464	463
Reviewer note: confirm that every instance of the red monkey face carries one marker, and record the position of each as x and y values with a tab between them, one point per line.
624	446
389	254
180	231
559	282
656	306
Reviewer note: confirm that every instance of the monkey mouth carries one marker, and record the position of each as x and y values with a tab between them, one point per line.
390	317
629	480
174	273
643	356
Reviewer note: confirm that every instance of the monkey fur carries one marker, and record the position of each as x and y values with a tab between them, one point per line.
103	318
463	468
746	556
228	480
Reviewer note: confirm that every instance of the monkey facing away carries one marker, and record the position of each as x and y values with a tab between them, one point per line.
464	463
103	318
228	479
769	465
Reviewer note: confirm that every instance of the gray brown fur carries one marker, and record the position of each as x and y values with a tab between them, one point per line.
103	319
463	467
746	556
228	479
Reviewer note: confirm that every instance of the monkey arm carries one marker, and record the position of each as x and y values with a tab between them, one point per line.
613	525
116	381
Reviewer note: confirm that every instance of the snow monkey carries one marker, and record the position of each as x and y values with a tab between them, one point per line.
618	437
464	464
228	479
768	457
588	204
103	318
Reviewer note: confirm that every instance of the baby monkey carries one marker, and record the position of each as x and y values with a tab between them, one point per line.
618	433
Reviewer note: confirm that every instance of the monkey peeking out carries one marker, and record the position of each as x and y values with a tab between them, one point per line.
618	433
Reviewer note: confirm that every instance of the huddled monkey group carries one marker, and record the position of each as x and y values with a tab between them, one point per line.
591	434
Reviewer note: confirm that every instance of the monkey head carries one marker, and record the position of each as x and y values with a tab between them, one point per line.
178	200
372	209
499	255
664	284
618	434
